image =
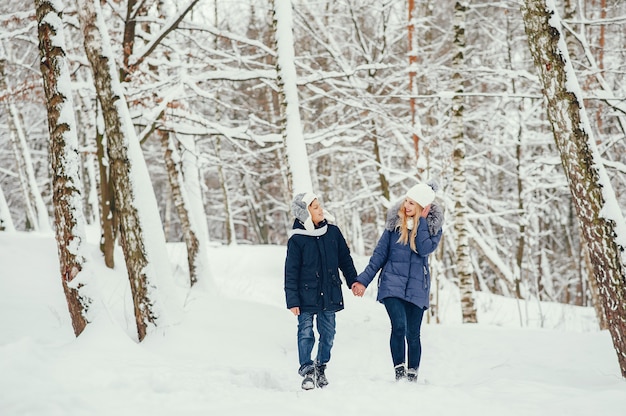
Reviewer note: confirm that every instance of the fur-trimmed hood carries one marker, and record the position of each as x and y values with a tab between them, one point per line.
434	219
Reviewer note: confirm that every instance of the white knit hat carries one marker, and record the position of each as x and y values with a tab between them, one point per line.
421	193
300	209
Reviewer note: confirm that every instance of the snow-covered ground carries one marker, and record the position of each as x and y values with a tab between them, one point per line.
234	352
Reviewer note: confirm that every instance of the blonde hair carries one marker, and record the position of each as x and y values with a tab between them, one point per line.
406	235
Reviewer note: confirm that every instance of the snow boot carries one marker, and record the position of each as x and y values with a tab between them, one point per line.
320	377
411	375
400	372
308	383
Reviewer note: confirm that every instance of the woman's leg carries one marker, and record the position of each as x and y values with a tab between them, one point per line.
397	316
414	315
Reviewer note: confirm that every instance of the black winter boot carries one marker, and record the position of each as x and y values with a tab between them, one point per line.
411	375
400	372
320	376
308	383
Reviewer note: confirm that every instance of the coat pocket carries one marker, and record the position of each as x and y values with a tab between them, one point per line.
309	294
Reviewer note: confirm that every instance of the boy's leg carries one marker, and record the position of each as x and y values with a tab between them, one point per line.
326	325
306	341
326	328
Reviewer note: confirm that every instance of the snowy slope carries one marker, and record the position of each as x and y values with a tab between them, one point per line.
234	352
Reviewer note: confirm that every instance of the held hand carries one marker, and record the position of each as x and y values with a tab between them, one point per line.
358	289
295	310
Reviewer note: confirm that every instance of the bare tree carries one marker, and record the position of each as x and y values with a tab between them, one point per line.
300	176
64	161
6	222
141	232
593	196
464	267
36	210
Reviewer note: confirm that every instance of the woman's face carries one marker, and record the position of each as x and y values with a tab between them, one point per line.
410	207
316	211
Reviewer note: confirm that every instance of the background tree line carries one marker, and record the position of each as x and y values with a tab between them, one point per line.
390	92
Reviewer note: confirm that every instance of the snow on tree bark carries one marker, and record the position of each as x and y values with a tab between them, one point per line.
141	231
297	160
194	232
36	210
464	267
6	222
598	213
64	161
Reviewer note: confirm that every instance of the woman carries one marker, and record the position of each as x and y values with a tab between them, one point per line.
316	250
413	231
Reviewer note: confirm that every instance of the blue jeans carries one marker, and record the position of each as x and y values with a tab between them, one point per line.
306	338
406	322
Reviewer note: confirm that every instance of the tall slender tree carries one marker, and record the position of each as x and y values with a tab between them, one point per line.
464	267
141	231
598	212
64	162
296	153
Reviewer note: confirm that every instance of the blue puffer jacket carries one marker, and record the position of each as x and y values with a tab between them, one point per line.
405	274
312	266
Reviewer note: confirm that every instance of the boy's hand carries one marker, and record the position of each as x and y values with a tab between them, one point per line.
358	289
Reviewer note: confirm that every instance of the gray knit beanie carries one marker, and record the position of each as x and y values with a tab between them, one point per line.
300	208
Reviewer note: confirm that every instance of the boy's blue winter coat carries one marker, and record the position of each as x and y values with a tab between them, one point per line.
405	274
312	280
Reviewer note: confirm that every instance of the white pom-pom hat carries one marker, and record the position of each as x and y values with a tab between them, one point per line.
421	193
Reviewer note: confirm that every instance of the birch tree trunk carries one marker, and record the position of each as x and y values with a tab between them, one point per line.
299	175
64	161
192	222
6	222
602	224
108	215
36	211
141	230
464	267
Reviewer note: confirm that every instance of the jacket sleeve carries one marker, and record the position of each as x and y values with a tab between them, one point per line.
425	243
377	261
346	263
292	273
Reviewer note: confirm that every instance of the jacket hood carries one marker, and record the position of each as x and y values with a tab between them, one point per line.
434	219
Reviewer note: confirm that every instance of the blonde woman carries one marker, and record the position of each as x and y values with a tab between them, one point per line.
412	231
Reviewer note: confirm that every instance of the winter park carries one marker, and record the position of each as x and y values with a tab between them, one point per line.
289	207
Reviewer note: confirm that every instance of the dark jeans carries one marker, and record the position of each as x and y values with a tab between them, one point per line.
406	321
306	338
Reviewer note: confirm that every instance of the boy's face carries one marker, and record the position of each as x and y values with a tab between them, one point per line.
316	211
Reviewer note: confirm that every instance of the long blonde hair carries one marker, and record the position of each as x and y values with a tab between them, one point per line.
406	235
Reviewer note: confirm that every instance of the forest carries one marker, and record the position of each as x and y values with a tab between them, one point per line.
379	95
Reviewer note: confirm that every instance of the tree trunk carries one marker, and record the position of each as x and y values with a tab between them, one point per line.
595	202
412	77
6	222
141	230
64	160
108	214
36	211
195	236
464	267
299	175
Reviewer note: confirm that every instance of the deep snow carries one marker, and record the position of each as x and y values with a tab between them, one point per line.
234	352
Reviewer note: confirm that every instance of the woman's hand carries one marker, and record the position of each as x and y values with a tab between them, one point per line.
358	289
295	310
425	211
